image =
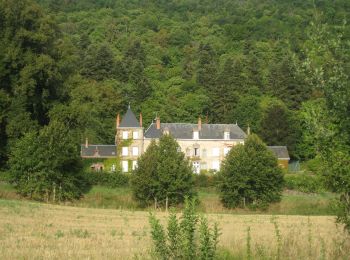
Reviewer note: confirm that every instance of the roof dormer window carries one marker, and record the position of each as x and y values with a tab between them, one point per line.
227	135
195	135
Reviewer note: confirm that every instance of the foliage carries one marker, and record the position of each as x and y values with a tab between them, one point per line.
278	126
250	176
206	179
107	179
304	182
46	165
189	237
180	59
326	67
162	172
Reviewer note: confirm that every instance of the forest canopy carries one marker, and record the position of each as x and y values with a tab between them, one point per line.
82	61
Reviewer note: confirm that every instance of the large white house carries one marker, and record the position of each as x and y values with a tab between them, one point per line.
205	145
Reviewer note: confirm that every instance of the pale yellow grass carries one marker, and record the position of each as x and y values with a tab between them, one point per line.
40	231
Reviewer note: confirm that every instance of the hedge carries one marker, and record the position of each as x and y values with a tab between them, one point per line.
108	179
304	182
206	179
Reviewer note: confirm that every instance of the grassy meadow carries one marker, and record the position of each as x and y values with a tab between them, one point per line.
293	203
106	223
31	230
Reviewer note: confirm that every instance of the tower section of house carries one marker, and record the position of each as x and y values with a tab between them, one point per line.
129	140
206	145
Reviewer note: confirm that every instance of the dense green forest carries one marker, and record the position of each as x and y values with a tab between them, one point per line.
279	66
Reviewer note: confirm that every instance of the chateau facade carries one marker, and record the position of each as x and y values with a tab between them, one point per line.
206	145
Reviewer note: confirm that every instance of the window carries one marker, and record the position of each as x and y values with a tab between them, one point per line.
125	135
196	151
241	142
216	152
226	150
188	152
135	135
135	151
195	135
196	167
226	135
125	151
125	166
134	165
216	165
204	153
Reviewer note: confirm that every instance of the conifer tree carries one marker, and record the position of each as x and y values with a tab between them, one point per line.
285	83
279	126
134	63
99	63
207	68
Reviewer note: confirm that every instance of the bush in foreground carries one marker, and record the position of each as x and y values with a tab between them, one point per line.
187	238
163	172
250	176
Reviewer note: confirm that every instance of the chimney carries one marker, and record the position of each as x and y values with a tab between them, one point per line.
158	122
117	121
86	142
199	123
248	130
140	119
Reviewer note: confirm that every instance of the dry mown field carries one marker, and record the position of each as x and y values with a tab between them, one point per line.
36	231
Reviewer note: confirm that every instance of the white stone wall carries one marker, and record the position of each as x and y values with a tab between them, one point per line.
211	152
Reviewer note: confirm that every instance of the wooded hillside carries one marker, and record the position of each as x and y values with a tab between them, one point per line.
253	62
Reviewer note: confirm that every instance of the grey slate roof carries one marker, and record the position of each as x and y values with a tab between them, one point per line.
185	131
281	152
129	120
98	151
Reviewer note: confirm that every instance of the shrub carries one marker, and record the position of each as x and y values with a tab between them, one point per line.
250	176
206	179
108	179
314	165
304	182
187	238
4	176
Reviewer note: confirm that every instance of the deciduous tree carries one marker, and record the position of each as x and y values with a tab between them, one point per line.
163	172
250	176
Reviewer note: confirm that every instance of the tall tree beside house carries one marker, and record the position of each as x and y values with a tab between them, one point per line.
47	166
250	176
144	178
163	172
278	125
